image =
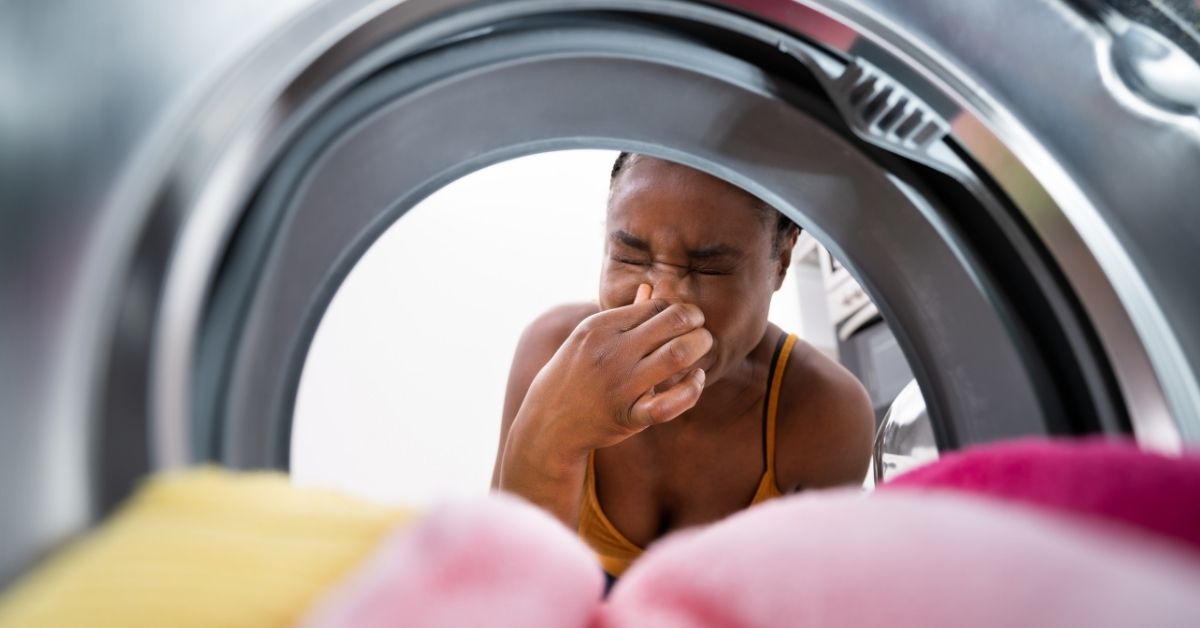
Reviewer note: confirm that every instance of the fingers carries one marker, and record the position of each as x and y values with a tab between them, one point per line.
649	325
672	357
643	293
628	317
654	408
675	320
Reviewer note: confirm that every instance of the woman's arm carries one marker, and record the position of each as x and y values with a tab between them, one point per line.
535	348
595	391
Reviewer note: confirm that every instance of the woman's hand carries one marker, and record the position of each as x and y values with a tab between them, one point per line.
621	371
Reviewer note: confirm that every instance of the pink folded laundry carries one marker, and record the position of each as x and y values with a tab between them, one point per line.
489	562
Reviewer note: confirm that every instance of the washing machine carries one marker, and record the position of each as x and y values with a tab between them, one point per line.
184	185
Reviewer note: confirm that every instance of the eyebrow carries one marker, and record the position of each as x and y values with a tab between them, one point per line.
630	240
703	253
714	251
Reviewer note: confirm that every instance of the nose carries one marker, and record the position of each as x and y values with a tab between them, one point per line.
668	282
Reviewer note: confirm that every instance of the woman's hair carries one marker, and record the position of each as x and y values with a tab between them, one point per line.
783	224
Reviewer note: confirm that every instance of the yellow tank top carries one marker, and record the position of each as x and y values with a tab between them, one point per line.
617	552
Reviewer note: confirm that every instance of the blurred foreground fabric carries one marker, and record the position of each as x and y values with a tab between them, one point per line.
1035	533
1097	479
906	559
497	562
204	548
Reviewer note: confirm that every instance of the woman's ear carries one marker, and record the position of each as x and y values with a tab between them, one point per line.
786	245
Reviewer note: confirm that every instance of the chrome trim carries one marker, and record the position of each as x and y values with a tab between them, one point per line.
904	439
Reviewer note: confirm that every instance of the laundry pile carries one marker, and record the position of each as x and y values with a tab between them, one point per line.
1032	533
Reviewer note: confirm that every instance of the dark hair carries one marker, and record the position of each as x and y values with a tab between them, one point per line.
783	224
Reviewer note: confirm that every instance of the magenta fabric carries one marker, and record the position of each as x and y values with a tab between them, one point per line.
1111	480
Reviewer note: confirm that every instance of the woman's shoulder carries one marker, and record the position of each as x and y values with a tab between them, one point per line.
809	367
826	422
546	333
556	323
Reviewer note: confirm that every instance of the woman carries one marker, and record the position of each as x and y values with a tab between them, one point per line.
663	405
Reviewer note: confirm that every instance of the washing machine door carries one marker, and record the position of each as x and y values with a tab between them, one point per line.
184	187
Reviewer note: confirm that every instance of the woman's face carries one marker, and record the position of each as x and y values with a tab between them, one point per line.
698	239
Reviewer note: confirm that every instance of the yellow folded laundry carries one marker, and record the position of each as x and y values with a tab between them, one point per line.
204	547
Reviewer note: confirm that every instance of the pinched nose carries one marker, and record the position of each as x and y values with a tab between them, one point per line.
669	285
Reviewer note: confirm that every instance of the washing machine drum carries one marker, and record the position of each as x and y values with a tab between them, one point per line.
1015	190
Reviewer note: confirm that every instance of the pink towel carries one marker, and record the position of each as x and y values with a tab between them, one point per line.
493	562
905	559
1099	479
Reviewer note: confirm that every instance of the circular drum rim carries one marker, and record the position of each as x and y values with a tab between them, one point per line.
219	191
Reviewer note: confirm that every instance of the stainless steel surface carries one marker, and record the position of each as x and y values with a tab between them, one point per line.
92	98
136	136
1049	123
693	105
904	439
1155	68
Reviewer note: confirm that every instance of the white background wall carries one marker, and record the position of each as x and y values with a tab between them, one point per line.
401	393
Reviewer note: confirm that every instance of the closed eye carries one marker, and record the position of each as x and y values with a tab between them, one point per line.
631	261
